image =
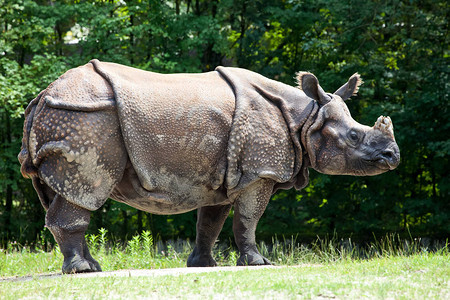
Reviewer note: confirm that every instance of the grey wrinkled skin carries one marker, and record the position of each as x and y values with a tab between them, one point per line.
169	144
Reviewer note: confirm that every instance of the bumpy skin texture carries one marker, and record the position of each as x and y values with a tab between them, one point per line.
173	143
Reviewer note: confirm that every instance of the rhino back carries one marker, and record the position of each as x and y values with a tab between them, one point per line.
176	130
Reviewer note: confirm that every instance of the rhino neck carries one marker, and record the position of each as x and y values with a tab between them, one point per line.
304	131
300	176
299	112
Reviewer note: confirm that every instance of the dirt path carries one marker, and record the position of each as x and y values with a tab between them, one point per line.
136	273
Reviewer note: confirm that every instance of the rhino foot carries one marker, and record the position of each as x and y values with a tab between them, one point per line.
197	259
252	259
78	264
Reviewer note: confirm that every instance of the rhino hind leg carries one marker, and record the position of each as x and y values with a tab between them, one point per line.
209	224
248	209
68	224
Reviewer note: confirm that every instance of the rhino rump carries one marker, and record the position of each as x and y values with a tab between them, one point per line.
74	140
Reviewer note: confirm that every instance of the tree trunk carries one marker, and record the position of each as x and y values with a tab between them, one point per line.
214	8
177	7
197	7
188	6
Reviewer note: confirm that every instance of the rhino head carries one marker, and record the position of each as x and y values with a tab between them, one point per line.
336	143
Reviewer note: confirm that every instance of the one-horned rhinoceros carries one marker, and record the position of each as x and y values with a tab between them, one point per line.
169	144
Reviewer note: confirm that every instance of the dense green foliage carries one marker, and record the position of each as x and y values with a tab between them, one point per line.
401	49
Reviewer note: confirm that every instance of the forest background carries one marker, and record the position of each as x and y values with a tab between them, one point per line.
400	48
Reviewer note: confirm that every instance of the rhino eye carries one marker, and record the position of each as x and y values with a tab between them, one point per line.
354	136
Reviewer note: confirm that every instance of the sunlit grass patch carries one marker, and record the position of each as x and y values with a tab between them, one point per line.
141	252
418	276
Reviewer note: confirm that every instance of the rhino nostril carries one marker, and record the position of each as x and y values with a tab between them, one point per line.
388	154
390	157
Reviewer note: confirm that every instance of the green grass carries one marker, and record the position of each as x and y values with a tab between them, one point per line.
138	253
424	276
142	253
330	268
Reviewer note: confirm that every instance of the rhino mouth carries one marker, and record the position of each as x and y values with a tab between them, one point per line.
380	163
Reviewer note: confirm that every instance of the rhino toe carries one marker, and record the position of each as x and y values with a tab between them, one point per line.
78	264
197	259
252	259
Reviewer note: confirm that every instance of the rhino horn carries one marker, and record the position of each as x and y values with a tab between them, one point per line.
350	88
384	124
309	84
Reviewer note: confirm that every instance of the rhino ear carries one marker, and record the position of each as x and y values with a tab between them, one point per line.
350	88
309	84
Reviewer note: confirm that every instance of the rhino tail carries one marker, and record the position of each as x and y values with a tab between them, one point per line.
28	169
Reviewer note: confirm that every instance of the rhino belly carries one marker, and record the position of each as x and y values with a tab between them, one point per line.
179	196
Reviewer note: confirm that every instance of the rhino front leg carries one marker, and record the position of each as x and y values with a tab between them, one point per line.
248	209
209	224
68	223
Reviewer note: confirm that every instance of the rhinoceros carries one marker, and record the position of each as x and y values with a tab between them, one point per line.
172	143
